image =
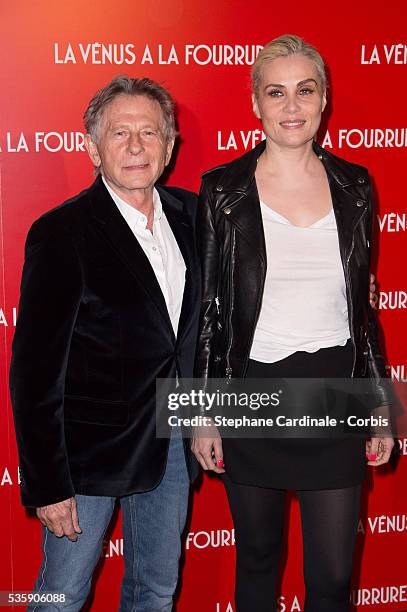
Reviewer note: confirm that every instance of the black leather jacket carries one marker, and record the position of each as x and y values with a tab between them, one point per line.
231	239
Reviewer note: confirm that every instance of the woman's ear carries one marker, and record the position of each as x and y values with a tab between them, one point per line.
324	101
255	106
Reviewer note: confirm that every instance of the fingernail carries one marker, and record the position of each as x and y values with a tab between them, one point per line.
220	463
372	457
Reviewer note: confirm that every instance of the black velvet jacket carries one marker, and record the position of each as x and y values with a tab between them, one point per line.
93	334
233	252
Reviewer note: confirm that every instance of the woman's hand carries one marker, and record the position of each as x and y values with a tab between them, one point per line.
378	450
207	448
373	298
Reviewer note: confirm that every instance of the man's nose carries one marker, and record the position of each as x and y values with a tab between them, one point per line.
135	144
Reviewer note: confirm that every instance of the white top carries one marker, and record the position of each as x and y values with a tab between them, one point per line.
161	249
304	305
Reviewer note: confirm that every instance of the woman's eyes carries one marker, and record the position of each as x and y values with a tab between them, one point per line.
277	93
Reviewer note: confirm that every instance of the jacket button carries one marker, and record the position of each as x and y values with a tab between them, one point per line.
320	156
219	188
360	203
227	211
361	180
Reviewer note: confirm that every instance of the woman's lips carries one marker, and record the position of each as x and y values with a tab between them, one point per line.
293	124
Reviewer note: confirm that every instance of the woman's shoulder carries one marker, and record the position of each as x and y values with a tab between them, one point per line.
342	170
236	174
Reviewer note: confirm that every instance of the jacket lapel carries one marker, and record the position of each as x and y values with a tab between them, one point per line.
117	233
239	200
349	209
349	196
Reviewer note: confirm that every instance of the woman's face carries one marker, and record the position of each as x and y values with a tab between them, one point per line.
290	101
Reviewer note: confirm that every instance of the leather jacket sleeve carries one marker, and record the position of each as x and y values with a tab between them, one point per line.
375	362
209	255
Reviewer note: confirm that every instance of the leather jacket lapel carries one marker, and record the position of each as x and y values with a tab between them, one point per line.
349	199
349	209
239	202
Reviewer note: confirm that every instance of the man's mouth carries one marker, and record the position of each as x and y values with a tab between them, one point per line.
137	167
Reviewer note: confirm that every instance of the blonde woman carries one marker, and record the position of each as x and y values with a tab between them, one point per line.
285	236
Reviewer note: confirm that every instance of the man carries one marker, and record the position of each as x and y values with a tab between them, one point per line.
109	302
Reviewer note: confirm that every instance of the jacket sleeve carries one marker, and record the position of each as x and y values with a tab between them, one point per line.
375	361
209	254
51	288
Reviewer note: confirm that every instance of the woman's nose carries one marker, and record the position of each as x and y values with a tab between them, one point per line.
291	104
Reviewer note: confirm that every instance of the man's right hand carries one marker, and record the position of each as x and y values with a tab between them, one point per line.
61	518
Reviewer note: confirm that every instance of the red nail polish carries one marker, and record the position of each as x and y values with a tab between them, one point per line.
220	463
372	457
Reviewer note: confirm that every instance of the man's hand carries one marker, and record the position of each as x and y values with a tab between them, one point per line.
207	448
373	298
61	518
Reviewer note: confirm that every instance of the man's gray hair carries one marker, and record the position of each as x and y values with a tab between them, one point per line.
131	87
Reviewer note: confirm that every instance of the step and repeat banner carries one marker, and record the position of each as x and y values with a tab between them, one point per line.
54	56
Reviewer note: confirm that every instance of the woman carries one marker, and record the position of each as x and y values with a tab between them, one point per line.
285	233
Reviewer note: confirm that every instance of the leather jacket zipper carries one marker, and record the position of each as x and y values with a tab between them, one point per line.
229	369
217	302
350	305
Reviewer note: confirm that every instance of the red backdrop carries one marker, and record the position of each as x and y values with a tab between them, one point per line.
54	57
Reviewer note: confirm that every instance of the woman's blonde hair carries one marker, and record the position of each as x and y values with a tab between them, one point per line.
283	46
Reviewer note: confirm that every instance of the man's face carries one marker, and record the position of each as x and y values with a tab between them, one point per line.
132	149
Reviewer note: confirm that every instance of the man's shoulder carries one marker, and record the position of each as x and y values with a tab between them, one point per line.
183	195
64	220
188	199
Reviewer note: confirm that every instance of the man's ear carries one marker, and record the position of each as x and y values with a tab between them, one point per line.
169	148
255	106
92	150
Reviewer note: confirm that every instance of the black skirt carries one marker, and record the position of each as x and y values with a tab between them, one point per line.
299	464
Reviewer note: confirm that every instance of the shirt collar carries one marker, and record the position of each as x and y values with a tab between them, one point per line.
133	216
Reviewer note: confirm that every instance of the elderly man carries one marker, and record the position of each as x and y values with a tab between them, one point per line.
109	302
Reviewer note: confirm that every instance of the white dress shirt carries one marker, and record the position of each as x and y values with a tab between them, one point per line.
161	250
